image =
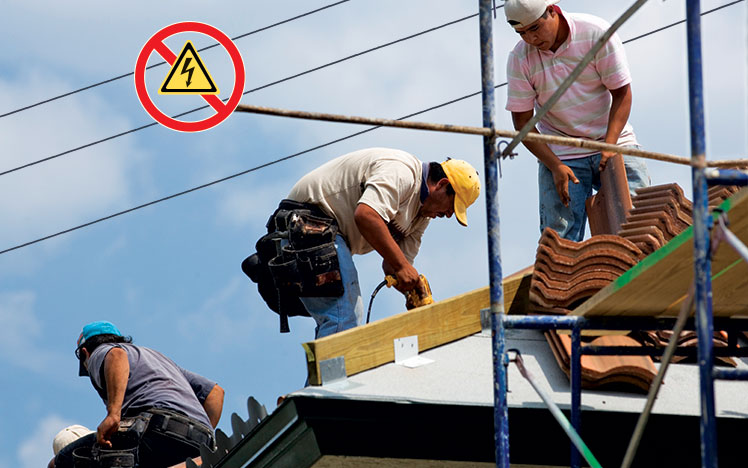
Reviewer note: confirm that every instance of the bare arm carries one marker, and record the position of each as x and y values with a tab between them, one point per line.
620	109
561	172
214	405
197	461
116	374
375	232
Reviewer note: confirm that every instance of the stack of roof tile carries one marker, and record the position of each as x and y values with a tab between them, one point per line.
688	339
566	272
719	193
603	371
659	213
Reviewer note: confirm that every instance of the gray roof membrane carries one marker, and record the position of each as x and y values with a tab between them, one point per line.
461	373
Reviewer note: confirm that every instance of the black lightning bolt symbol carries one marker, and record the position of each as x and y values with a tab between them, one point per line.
187	70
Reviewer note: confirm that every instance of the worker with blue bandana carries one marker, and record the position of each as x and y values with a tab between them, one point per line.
166	412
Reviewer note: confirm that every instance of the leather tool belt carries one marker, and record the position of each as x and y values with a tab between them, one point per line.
296	258
174	423
124	451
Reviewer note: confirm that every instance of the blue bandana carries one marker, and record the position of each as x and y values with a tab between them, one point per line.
424	186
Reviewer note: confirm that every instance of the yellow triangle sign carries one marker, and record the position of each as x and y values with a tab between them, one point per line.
188	75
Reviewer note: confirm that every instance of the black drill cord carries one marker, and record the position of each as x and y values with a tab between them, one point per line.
371	301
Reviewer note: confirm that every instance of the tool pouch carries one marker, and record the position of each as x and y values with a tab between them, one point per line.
317	269
123	454
285	273
296	258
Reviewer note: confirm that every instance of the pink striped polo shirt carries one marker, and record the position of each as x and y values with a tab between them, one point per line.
582	111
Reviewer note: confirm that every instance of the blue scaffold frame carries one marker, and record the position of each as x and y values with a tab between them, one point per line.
702	177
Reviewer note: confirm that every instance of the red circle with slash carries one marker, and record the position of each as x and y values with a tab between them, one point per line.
156	44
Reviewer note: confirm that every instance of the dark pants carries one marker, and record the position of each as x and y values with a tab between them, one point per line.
156	450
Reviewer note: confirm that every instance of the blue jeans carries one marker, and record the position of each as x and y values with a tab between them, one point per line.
335	314
570	221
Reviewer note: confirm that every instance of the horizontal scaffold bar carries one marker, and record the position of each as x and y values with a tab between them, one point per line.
532	137
726	177
657	351
730	374
553	322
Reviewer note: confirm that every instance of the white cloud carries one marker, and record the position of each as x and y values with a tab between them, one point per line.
18	323
223	317
36	450
20	329
249	207
75	188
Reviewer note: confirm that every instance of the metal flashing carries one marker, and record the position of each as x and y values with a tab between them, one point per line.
485	322
332	370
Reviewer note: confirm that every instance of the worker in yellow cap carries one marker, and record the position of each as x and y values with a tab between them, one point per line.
378	199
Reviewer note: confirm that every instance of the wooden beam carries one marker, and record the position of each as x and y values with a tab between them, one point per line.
372	345
657	285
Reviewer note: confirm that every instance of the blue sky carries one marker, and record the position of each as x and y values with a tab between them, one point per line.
169	274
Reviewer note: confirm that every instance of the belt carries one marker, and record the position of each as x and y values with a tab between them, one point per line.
287	204
171	422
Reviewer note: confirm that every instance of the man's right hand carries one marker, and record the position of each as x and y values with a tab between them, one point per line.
407	278
106	430
562	174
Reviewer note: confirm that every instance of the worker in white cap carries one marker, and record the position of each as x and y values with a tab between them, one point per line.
596	106
66	437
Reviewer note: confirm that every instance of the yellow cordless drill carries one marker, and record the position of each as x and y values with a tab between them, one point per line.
413	298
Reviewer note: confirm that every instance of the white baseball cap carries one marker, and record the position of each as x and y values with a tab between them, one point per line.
69	435
522	13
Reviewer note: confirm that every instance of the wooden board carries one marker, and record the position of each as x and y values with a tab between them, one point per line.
657	285
372	345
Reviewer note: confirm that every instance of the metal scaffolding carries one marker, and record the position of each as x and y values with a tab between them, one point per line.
701	177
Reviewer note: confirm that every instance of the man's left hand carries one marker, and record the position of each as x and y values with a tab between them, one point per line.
106	430
604	156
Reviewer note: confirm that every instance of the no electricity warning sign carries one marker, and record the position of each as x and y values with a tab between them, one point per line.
188	75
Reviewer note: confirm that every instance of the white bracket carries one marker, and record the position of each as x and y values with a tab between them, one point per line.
406	352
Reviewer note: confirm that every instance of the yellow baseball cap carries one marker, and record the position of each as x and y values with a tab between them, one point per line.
466	183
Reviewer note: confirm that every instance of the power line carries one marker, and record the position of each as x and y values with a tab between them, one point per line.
282	80
232	176
285	158
265	28
681	21
112	137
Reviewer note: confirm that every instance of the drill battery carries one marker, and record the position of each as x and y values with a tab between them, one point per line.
415	297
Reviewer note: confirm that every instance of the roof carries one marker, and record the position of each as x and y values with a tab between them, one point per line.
462	374
441	414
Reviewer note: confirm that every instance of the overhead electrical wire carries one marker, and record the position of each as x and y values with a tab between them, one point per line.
282	80
264	28
358	54
285	158
223	179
